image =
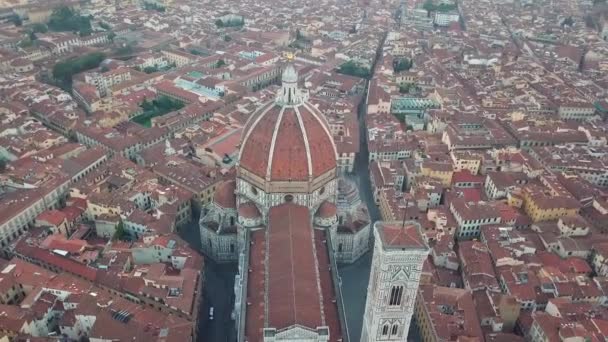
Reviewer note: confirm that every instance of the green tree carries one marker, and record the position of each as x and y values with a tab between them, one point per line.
150	69
219	23
353	69
26	42
111	36
220	63
227	38
147	105
402	64
105	26
165	103
40	28
429	6
153	6
445	7
63	71
16	20
67	19
3	164
85	32
119	233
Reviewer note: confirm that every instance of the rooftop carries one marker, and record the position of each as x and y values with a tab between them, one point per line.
401	235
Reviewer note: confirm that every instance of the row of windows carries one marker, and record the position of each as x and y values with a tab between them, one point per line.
396	296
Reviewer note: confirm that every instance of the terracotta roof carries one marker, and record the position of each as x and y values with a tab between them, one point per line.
398	235
248	210
293	292
224	195
326	210
54	217
287	143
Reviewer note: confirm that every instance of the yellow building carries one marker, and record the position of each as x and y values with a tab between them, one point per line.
543	206
442	172
515	199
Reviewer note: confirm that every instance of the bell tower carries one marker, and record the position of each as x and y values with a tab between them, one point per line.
399	253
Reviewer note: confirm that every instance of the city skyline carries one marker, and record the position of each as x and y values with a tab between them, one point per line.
333	170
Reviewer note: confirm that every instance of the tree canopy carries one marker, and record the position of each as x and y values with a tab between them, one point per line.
63	71
402	64
353	69
157	107
120	232
67	19
236	22
153	6
430	6
16	20
40	28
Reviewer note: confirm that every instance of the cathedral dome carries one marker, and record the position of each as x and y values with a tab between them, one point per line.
287	139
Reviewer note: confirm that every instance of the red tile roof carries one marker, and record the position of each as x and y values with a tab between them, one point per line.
224	195
248	210
293	292
396	235
326	210
298	135
54	217
332	318
256	304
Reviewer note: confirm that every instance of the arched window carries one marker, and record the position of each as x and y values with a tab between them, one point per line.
385	330
288	198
395	329
396	294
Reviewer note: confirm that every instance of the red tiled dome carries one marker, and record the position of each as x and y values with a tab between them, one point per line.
287	143
326	210
248	210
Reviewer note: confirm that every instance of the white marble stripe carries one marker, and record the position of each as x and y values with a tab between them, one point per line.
305	136
274	139
323	124
255	123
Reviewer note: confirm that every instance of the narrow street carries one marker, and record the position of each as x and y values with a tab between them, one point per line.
217	293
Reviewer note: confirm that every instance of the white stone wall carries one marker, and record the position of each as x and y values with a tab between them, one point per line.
325	221
391	268
349	247
248	192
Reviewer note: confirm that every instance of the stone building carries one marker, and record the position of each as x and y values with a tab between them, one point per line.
287	219
399	253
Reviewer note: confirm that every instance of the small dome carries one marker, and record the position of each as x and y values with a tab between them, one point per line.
290	75
326	210
249	210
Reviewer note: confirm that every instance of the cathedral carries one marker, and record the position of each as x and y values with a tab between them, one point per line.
288	218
